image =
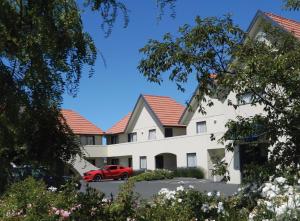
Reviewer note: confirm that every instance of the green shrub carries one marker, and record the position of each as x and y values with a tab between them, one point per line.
138	172
189	172
153	175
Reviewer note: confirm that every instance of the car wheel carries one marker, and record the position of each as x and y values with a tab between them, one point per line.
124	176
97	178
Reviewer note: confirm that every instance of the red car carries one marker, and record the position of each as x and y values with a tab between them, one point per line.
108	172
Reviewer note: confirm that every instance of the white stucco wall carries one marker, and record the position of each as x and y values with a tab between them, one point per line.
179	146
145	122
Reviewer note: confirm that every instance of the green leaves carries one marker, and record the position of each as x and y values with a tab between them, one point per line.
226	61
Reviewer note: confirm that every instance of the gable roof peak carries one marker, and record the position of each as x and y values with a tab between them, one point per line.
166	109
287	24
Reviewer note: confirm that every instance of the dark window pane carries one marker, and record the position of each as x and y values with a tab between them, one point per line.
168	132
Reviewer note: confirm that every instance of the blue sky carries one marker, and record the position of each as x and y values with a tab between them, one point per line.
112	92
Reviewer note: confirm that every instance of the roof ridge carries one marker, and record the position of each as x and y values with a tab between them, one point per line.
151	95
270	13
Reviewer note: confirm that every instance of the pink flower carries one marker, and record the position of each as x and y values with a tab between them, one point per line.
65	214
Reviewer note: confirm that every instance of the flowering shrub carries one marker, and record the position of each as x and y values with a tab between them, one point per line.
277	199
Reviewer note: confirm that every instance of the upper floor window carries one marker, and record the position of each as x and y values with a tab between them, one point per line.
132	137
114	139
87	140
246	98
152	134
201	127
168	132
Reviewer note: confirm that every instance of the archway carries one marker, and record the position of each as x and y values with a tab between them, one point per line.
166	161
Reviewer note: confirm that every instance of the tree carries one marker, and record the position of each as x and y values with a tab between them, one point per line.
292	5
43	49
267	67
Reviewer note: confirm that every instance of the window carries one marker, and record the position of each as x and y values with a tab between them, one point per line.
168	132
87	140
114	139
92	161
143	163
152	134
191	159
114	161
246	98
201	127
112	167
130	162
132	137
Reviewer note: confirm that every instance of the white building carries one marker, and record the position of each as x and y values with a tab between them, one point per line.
161	133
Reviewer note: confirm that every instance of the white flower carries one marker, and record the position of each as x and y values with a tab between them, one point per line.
191	186
52	189
220	207
209	194
280	180
205	207
251	216
299	181
180	188
179	200
218	194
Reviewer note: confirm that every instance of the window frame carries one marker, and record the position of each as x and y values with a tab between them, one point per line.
197	128
149	132
194	154
143	158
85	138
240	100
170	129
130	137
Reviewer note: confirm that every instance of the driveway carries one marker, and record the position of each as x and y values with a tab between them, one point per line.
146	189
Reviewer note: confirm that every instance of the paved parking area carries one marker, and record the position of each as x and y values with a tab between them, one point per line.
146	189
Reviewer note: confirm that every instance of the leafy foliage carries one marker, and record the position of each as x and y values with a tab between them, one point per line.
43	49
189	172
227	62
292	4
153	175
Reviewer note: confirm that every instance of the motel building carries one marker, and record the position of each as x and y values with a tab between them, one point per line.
161	133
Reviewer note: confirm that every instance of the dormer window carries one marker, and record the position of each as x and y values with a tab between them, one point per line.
132	137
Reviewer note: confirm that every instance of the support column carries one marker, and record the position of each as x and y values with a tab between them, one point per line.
233	160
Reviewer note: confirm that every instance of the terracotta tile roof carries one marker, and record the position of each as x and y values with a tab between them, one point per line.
79	124
120	126
287	24
167	110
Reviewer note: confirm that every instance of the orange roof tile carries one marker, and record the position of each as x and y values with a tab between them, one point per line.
79	124
120	126
287	24
167	110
